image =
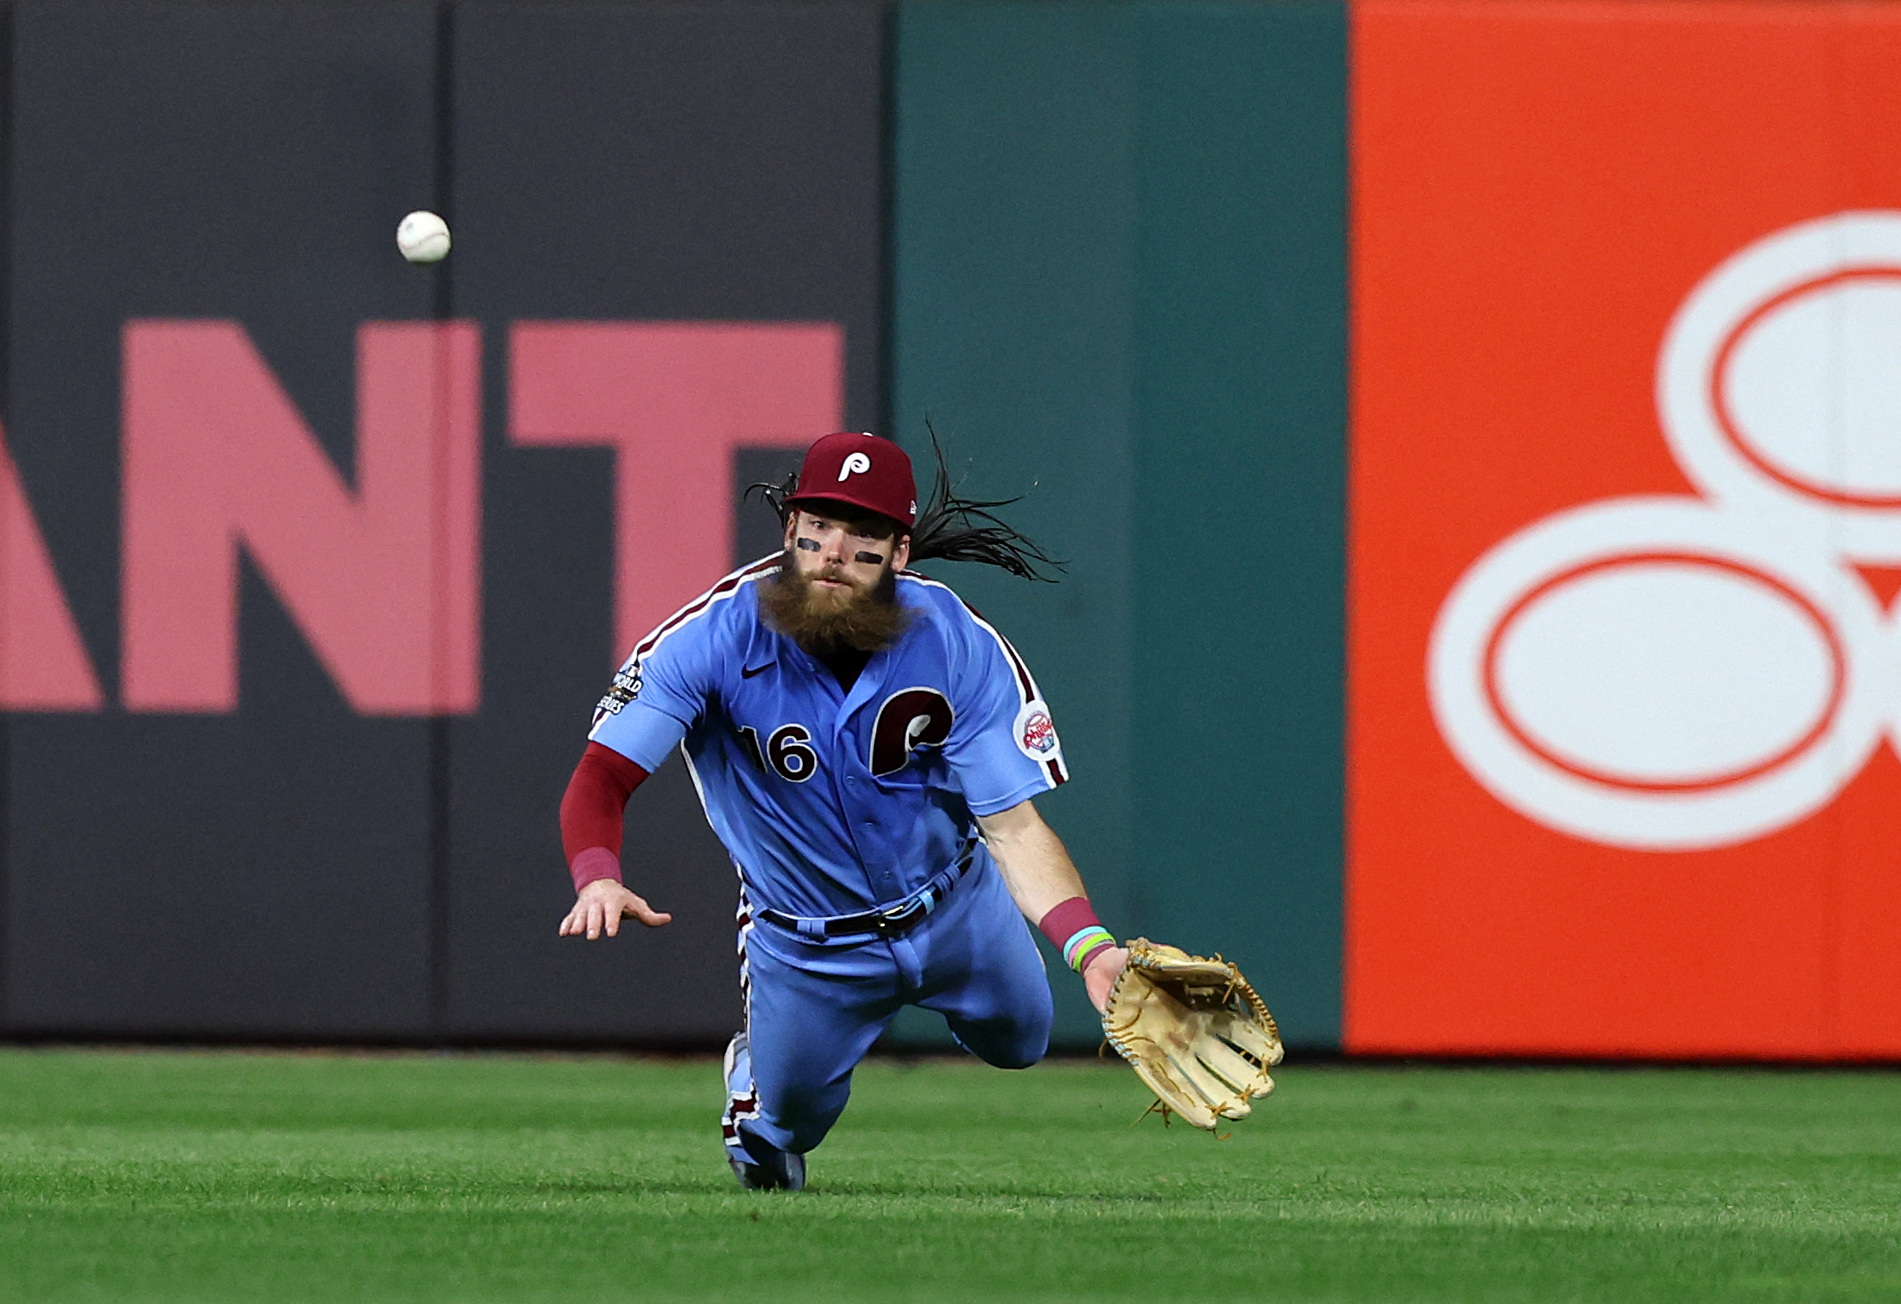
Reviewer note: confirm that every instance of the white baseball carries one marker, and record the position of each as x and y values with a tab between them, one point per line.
423	237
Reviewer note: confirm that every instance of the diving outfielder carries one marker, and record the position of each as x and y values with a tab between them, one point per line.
867	749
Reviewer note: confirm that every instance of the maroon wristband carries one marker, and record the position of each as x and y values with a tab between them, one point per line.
1074	930
1067	918
593	865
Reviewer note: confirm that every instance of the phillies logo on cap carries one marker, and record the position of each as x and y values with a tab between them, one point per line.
858	470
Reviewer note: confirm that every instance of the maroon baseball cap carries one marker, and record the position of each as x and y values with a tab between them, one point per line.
863	471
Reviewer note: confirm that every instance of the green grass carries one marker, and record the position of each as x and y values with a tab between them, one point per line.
162	1176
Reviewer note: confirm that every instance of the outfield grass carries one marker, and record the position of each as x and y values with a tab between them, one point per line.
171	1176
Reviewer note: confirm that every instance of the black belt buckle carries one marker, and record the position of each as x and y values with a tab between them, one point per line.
896	923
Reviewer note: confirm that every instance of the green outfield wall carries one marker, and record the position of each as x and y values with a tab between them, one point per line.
1100	245
1119	251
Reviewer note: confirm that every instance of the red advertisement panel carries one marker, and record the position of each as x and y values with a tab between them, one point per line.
1626	530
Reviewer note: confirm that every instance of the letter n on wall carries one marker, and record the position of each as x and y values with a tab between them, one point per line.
383	579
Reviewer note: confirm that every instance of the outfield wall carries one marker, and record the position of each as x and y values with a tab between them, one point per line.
307	786
1119	260
312	564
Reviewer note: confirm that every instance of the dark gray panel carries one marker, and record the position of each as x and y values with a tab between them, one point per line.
263	873
672	162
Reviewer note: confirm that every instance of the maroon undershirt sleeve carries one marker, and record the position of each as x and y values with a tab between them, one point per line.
591	813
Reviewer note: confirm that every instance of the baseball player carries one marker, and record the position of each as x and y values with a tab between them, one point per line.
867	749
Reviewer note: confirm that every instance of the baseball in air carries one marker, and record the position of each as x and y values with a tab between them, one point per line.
423	237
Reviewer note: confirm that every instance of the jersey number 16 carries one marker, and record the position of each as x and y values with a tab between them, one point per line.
788	751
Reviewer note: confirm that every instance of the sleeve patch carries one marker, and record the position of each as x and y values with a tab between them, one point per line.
626	688
1035	732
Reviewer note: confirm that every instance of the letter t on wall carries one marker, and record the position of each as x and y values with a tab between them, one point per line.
673	400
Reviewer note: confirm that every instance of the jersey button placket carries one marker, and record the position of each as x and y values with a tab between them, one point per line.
853	794
852	816
865	835
863	824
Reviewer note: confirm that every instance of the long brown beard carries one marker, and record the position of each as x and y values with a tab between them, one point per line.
827	621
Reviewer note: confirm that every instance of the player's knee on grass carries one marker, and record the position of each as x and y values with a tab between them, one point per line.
806	1115
1003	1043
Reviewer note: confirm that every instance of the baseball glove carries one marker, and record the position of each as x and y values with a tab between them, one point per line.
1195	1032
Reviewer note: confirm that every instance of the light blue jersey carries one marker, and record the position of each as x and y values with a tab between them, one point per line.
833	801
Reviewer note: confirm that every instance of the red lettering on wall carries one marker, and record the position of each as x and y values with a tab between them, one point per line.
43	665
673	400
384	581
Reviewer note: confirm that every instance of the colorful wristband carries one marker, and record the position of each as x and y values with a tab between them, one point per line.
1072	927
1080	949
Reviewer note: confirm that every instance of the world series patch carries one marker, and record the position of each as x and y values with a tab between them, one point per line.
626	688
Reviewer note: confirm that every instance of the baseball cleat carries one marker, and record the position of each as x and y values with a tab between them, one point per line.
769	1169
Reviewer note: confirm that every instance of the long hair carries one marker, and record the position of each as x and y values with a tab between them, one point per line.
951	527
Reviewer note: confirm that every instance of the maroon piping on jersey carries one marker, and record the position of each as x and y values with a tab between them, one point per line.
700	603
1026	687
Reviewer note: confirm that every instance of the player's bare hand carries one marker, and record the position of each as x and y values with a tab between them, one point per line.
1100	974
601	905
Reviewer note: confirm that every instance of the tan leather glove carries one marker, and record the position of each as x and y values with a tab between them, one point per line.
1194	1031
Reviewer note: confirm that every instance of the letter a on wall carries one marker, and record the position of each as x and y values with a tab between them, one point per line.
43	665
382	579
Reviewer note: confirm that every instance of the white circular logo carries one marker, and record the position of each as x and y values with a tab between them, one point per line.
1686	672
1035	732
855	464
